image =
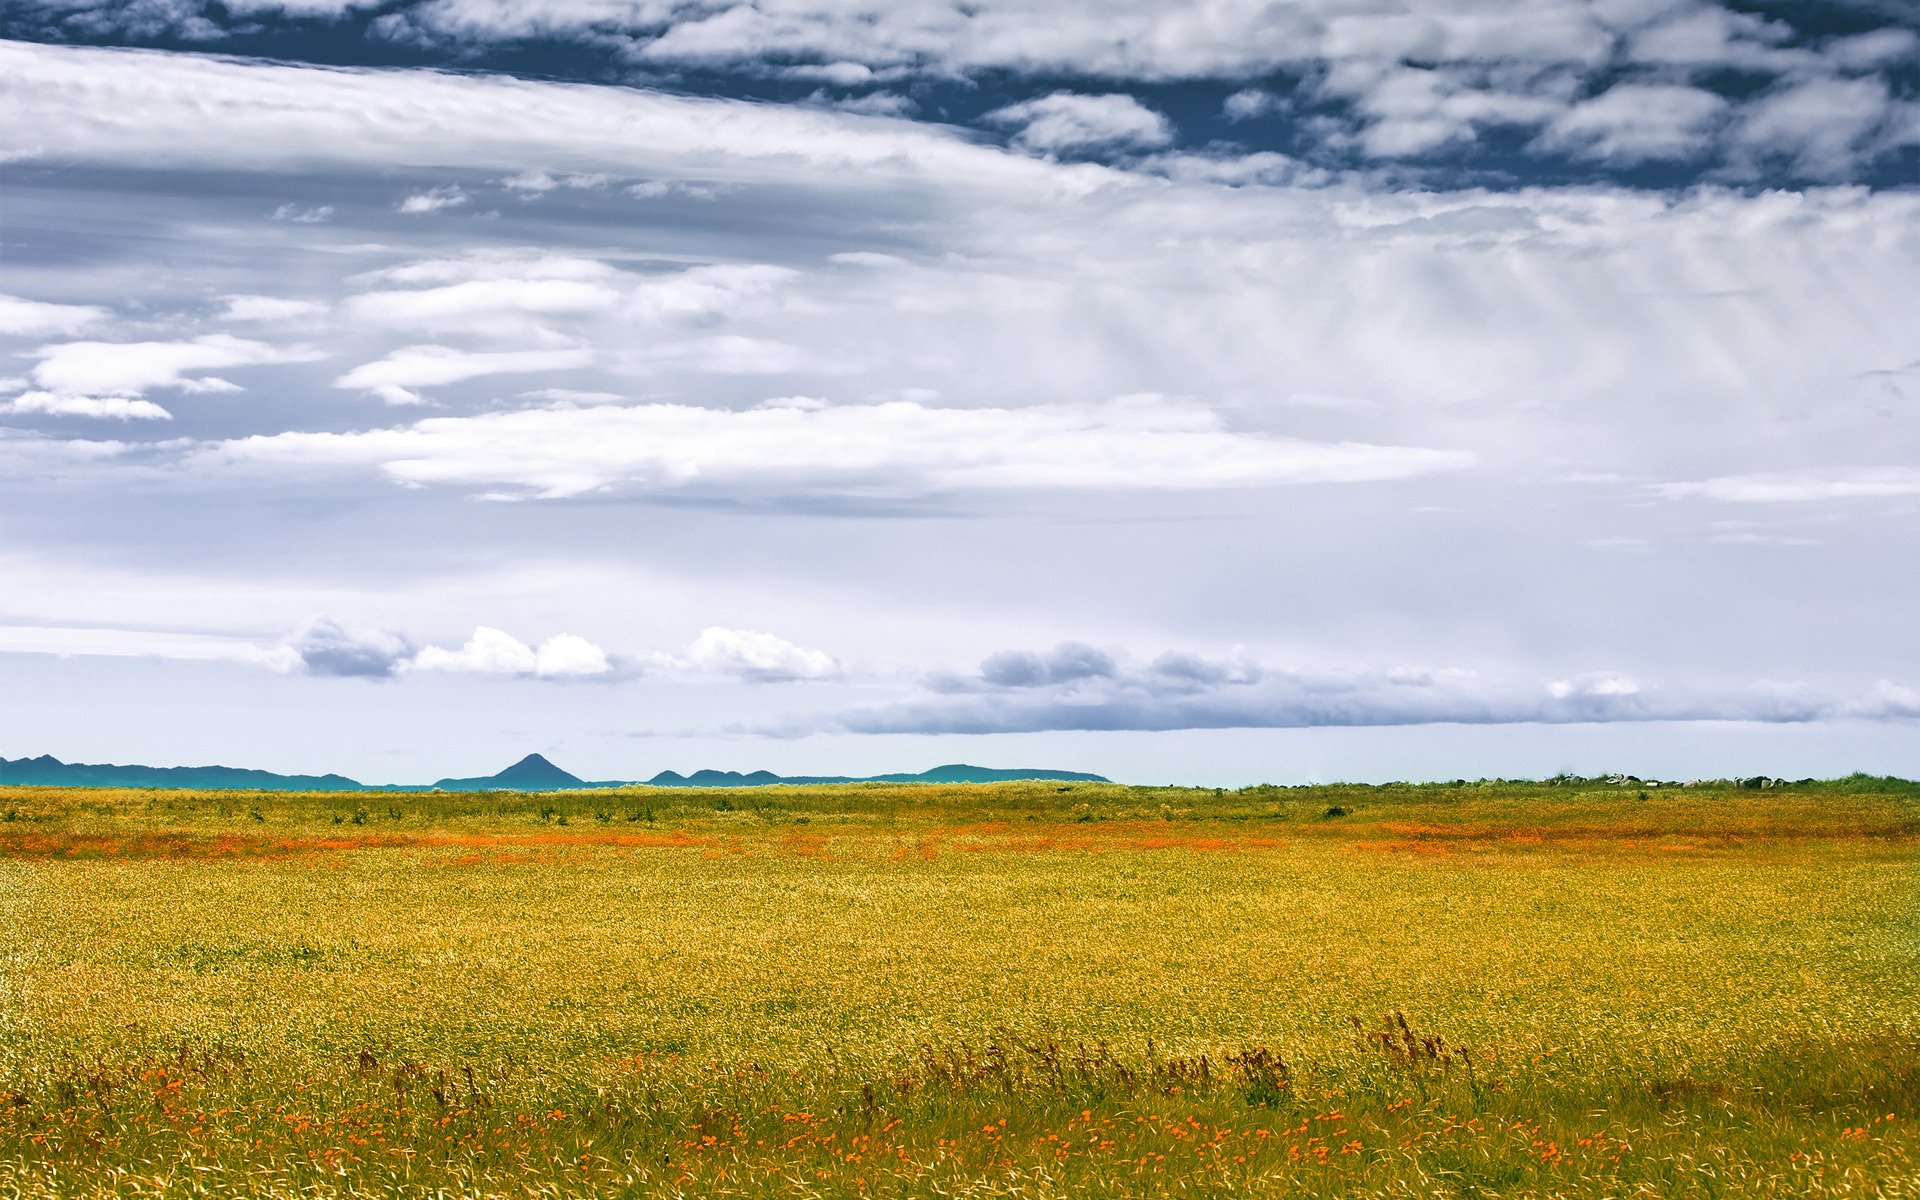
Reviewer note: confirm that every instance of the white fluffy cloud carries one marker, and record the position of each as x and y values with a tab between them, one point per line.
38	318
434	200
1821	127
130	368
1408	111
1633	123
456	305
56	404
1151	39
395	377
1067	121
495	652
748	655
893	449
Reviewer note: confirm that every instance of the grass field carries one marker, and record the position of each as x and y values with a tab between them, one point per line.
1601	990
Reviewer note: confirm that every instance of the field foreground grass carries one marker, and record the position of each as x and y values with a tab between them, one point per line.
1577	989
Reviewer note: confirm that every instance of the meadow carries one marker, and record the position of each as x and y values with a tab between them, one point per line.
1591	988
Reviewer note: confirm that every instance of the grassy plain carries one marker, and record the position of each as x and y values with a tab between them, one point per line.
1035	990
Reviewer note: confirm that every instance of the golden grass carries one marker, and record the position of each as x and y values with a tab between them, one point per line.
976	991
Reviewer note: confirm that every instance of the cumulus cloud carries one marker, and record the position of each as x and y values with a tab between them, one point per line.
434	200
1063	664
1633	123
751	656
130	368
478	304
272	309
37	318
1131	39
56	404
395	377
495	652
892	449
1025	692
1065	122
326	647
1406	111
1248	103
1820	127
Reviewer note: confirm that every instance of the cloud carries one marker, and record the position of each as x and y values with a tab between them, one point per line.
1820	128
395	377
1187	691
271	309
1798	487
508	294
38	318
434	200
539	183
1633	123
129	368
1065	122
1065	663
55	404
493	265
1248	103
717	289
734	354
137	108
459	306
36	458
894	449
83	641
1126	39
754	657
1438	72
325	647
495	652
304	215
1406	111
1874	50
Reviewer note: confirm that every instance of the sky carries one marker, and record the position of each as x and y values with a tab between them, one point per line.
1188	391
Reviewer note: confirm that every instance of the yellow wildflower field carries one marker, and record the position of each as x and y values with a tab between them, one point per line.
1577	989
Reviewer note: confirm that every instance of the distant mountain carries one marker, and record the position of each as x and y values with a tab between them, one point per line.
531	774
48	771
951	773
534	773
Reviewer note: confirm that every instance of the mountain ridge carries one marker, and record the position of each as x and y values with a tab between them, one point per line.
533	773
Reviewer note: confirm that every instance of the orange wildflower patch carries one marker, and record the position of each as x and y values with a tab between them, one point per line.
174	845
